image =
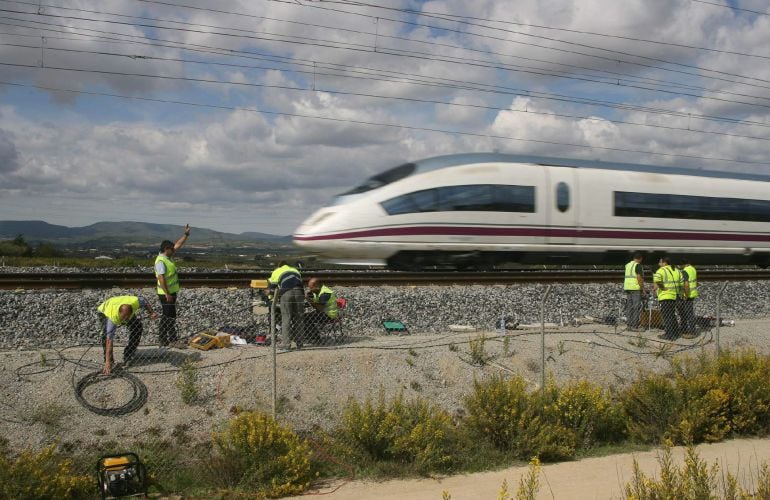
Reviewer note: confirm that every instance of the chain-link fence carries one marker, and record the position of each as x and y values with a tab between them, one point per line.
237	350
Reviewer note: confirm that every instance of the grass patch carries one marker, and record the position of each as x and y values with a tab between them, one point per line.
187	382
50	415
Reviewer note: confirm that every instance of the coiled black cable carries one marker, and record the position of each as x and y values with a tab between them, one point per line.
138	399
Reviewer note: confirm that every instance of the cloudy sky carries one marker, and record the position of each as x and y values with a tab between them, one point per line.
248	115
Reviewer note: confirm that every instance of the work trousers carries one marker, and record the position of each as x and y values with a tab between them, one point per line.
670	321
167	326
633	307
134	336
315	322
687	313
292	317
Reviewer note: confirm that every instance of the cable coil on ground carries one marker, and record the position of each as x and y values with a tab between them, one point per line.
137	401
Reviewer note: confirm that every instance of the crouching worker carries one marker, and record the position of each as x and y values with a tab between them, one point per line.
324	302
119	311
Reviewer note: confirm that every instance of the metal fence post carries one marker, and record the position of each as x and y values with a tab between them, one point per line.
719	315
274	341
542	338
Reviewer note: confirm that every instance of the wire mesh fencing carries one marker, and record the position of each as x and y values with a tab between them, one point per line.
238	350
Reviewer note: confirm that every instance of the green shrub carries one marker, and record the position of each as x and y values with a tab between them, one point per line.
652	405
412	432
703	399
743	376
502	412
589	412
187	382
258	454
43	475
694	481
476	350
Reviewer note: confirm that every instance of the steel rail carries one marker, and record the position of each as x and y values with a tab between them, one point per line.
242	279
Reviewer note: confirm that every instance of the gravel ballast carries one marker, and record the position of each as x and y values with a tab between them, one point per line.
49	341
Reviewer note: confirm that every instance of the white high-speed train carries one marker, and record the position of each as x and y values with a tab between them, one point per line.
479	210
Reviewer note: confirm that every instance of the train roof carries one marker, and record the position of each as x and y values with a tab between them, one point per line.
439	162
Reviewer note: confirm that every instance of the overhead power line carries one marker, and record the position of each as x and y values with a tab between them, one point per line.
583	32
521	33
732	7
393	37
419	56
457	84
386	125
462	32
339	92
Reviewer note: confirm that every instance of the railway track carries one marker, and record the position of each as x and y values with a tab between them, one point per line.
242	279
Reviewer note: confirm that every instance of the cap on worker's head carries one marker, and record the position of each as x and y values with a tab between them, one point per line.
638	255
166	244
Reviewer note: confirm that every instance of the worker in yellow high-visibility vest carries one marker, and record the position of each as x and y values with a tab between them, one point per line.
668	285
286	283
119	311
168	287
687	302
633	287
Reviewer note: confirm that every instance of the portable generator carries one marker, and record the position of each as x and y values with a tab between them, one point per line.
121	475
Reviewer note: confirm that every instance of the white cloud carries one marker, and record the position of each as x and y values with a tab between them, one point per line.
161	160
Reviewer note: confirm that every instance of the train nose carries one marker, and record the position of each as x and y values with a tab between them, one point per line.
308	233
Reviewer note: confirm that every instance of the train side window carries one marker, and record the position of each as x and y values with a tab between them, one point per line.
468	198
674	206
562	196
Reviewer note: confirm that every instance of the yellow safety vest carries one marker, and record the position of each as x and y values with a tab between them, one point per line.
172	278
111	307
692	278
284	276
331	305
671	279
631	283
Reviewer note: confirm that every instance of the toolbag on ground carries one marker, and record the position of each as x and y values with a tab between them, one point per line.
394	326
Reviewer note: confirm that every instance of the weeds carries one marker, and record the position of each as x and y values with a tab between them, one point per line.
256	453
412	352
476	350
187	382
453	347
561	347
529	484
50	415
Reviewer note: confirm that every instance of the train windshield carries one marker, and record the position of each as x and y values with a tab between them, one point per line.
383	179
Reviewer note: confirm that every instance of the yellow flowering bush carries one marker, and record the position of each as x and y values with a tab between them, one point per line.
412	432
42	475
587	410
652	405
503	412
258	454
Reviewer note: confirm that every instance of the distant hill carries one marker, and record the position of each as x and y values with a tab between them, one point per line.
125	233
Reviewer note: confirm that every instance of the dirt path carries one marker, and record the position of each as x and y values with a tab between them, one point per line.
599	478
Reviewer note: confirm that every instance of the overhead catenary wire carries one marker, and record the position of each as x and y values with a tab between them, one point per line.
363	94
412	54
488	88
389	125
592	33
731	7
349	46
566	42
434	43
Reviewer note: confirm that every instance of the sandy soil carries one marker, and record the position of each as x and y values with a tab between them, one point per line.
38	405
600	478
